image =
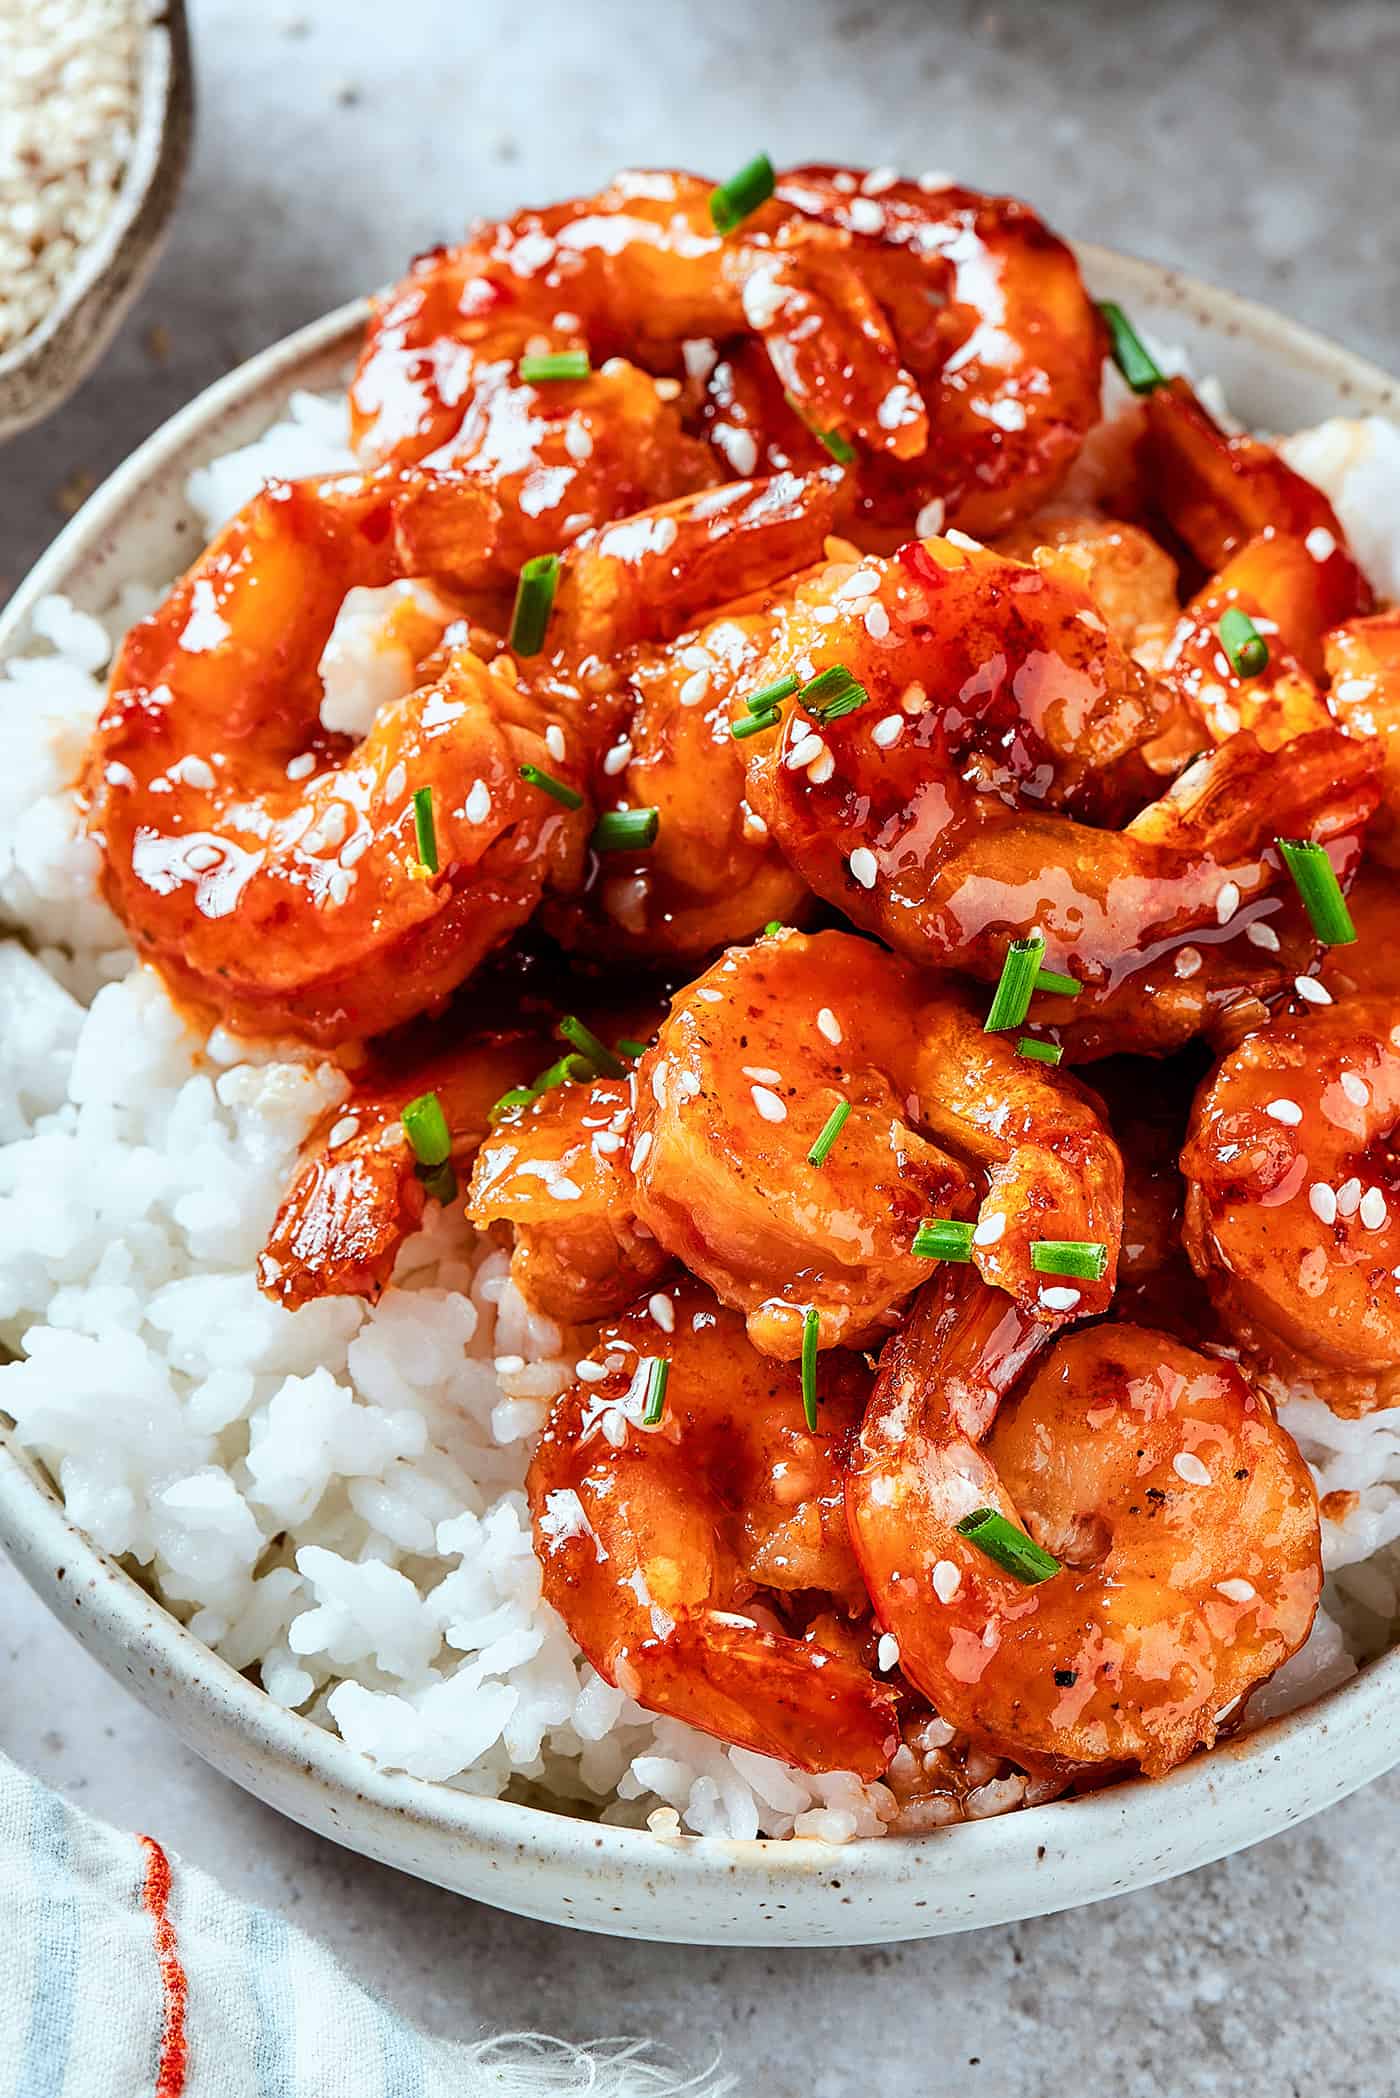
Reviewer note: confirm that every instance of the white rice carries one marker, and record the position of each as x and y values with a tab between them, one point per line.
333	1499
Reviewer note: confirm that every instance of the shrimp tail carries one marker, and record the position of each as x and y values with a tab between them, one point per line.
1241	795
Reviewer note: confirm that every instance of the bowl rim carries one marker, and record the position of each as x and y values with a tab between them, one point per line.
305	1768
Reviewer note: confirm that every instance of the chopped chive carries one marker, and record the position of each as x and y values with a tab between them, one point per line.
1013	1551
943	1238
1133	360
832	693
440	1182
554	364
773	925
517	1096
424	828
1039	1052
572	1069
1083	1258
425	1126
1242	642
769	696
534	600
627	1046
753	725
1320	890
588	1044
658	1377
626	830
1013	993
733	201
831	1129
840	449
1062	986
536	776
811	1336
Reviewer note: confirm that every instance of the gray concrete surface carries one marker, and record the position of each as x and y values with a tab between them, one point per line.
1255	144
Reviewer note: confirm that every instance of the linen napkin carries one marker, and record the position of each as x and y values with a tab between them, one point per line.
126	1974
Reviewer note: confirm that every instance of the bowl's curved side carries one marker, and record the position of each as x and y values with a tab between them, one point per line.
625	1881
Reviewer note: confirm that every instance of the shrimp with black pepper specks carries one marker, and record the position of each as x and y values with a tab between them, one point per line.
1184	1521
1293	1198
670	1550
745	1075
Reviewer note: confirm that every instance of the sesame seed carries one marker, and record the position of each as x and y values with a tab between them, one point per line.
1285	1111
1188	1466
989	1228
864	866
965	540
914	698
345	1128
554	741
887	733
618	758
829	1025
1058	1299
1188	961
768	1104
1320	543
1349	1198
804	751
879	180
589	1372
1261	935
710	996
1355	1089
947	1580
1311	990
1227	902
640	1150
740	447
887	1652
929	522
865	217
578	439
762	1073
1236	1591
1322	1202
877	621
821	769
1373	1211
478	803
299	767
695	689
663	1311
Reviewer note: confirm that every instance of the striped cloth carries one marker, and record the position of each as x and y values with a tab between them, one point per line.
125	1974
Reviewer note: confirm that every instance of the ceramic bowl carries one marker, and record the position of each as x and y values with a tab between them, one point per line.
39	372
626	1881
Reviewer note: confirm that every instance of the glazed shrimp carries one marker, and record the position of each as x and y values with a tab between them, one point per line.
952	810
1363	659
667	1550
1293	1199
271	870
558	1172
357	1196
1184	1521
1131	579
741	1082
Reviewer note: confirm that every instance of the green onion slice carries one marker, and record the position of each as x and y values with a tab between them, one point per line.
768	697
943	1238
753	725
517	1096
626	830
832	693
1013	994
1038	1052
733	201
1013	1551
773	925
534	601
425	1126
1242	642
440	1182
554	364
425	830
841	450
604	1062
1132	358
1061	986
811	1335
1320	890
627	1046
536	776
1083	1258
658	1377
831	1129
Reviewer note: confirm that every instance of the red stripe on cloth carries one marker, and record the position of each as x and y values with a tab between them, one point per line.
174	1989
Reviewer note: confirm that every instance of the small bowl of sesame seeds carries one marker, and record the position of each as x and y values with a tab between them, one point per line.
95	111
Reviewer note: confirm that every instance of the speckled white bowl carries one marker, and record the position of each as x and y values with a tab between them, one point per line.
625	1881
